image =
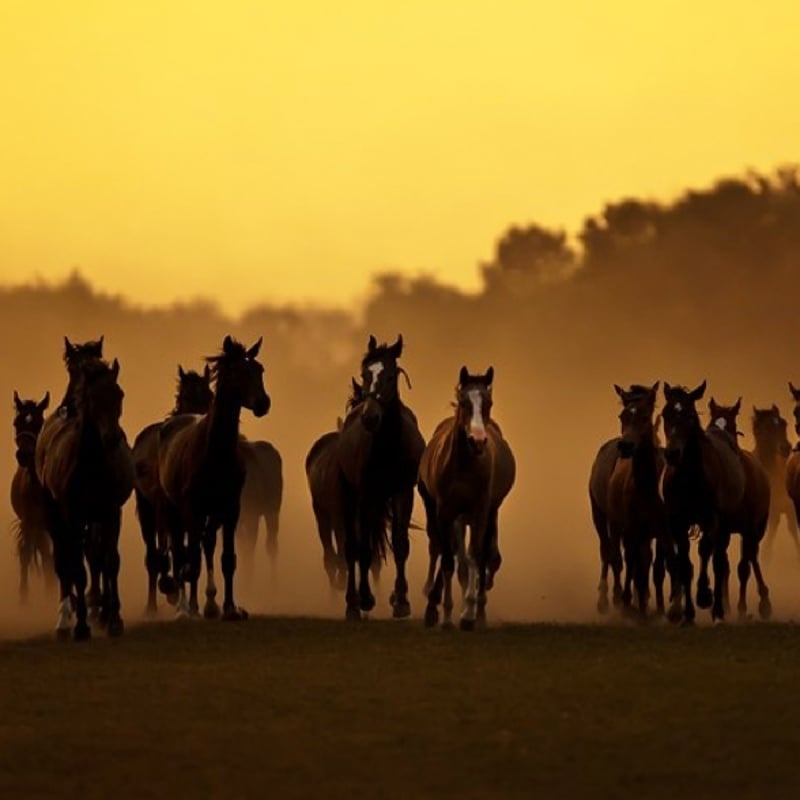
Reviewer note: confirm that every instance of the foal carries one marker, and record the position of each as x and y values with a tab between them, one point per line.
467	470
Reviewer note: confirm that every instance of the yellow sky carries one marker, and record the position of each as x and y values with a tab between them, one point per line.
256	150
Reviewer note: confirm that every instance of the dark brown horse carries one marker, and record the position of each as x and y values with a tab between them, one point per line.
772	451
378	455
466	471
34	548
703	484
750	519
262	495
793	462
201	471
633	508
86	469
75	355
193	396
638	404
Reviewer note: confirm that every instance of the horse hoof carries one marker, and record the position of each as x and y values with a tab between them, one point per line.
675	615
602	605
431	616
234	614
82	633
116	627
167	585
63	634
705	598
401	609
466	624
765	608
687	622
448	625
172	599
211	609
367	602
353	614
150	612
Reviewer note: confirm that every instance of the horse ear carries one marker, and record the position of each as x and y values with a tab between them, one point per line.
795	392
227	344
45	401
738	405
100	342
712	404
253	351
68	347
776	410
463	376
620	392
698	393
654	387
397	348
667	389
17	401
181	373
356	386
372	344
489	376
115	368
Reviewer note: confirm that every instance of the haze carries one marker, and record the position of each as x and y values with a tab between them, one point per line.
286	151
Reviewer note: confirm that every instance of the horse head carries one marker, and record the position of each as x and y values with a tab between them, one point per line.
474	407
28	421
636	417
681	420
725	418
239	375
98	400
194	393
379	373
770	431
796	398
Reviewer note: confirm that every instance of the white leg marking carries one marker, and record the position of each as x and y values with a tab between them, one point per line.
472	592
182	606
64	615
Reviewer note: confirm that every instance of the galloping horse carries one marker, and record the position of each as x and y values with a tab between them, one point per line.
793	462
634	509
773	450
86	469
193	396
201	474
34	548
466	471
638	403
702	484
750	519
378	457
322	474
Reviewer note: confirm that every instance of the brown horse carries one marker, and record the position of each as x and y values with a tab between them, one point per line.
262	495
34	548
634	510
378	455
750	519
773	450
75	355
86	469
466	471
193	396
793	462
703	484
638	404
201	472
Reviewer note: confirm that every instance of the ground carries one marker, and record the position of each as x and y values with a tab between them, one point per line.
291	708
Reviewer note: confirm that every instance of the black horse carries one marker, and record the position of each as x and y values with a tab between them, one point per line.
34	548
378	456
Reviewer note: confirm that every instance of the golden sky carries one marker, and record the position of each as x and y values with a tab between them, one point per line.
263	150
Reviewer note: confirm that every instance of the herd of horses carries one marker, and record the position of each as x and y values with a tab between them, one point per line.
194	474
649	501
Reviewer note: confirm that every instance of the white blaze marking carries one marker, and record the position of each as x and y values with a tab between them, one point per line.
476	427
375	369
678	407
721	424
29	419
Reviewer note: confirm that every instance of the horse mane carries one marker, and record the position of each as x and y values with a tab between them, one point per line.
235	351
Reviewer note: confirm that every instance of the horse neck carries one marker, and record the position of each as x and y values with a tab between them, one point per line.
645	462
223	422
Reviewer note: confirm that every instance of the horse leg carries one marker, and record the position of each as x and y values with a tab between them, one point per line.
462	563
81	632
48	565
230	611
370	528
194	562
772	529
272	522
792	521
211	609
630	555
601	526
706	549
659	573
743	570
152	558
721	541
434	599
177	546
111	572
61	563
434	551
246	541
750	548
330	560
401	518
351	551
493	544
96	601
24	556
477	565
615	562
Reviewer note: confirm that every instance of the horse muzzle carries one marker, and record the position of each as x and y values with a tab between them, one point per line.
477	442
262	407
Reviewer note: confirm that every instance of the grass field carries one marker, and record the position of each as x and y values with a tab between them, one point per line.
299	708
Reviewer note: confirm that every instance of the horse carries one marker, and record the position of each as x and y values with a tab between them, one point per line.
201	472
793	462
322	477
465	474
634	510
377	457
262	495
702	484
193	396
750	519
638	404
773	450
86	471
34	548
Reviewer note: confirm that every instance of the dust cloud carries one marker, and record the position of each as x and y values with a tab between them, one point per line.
691	291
